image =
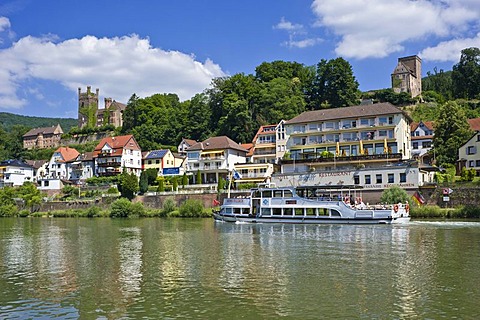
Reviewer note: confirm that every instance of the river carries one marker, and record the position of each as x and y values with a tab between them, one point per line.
200	269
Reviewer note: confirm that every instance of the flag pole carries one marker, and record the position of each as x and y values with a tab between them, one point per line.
229	183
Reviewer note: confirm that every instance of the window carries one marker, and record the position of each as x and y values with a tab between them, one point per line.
149	161
378	178
477	164
46	183
157	161
415	145
403	177
391	178
368	179
356	179
471	150
470	163
426	144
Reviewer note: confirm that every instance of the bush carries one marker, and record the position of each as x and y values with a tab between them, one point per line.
168	206
93	211
394	195
112	190
191	208
137	209
8	210
24	213
121	208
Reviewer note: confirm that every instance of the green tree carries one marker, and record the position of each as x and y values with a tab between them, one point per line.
129	185
161	184
143	184
394	194
466	74
184	180
31	196
199	177
439	82
334	85
175	183
451	131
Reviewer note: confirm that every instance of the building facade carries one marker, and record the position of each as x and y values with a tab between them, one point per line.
15	173
115	154
407	76
326	138
214	158
41	138
469	154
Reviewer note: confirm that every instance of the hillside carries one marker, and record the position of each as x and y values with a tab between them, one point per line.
8	120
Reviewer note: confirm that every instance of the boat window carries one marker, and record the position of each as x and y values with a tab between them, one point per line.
287	194
228	210
310	211
266	212
335	213
267	194
236	210
287	211
256	194
299	211
323	212
277	211
277	194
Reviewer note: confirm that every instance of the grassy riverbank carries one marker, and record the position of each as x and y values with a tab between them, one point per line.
123	208
464	212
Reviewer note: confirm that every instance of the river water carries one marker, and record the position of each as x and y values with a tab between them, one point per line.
201	269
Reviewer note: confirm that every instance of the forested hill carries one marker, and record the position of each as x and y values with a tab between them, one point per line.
8	120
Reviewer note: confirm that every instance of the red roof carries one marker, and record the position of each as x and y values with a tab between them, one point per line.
68	154
117	144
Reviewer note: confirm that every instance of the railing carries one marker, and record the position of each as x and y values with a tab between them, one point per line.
391	156
109	164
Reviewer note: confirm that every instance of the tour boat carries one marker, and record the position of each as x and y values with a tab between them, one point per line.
307	205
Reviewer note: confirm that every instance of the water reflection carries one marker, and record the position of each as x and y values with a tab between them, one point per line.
182	268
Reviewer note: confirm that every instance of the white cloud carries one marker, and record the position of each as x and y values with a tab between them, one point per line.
449	50
377	28
287	25
4	24
302	43
118	66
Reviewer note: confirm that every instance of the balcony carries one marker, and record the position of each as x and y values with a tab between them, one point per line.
109	164
319	159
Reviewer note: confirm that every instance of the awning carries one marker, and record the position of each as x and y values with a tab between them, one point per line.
212	152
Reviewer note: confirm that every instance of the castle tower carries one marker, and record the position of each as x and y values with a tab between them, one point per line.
407	76
87	107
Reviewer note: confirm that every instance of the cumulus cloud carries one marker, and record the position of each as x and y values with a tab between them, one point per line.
377	28
449	50
119	66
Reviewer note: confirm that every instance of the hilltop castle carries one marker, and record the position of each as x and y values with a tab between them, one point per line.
90	116
407	76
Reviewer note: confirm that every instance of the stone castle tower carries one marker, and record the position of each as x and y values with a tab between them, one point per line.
87	107
407	76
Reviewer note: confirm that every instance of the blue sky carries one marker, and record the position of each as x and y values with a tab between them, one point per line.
48	49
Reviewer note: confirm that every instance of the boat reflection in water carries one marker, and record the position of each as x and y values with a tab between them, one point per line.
307	205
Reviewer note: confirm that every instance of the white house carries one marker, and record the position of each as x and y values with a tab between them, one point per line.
15	172
469	154
114	154
214	158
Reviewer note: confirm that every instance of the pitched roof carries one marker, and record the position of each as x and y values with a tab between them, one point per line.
190	142
217	143
428	124
36	164
15	163
156	154
249	147
116	143
87	156
68	154
376	109
44	130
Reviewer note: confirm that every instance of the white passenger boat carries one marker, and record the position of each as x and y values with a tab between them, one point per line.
306	205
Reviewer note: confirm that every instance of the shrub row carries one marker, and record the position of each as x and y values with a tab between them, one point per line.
465	212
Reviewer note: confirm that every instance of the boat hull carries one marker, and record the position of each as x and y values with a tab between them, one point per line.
231	218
